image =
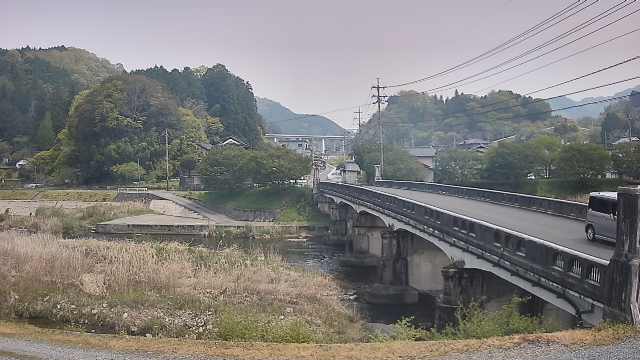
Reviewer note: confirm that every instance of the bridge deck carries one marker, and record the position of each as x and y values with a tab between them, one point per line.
556	229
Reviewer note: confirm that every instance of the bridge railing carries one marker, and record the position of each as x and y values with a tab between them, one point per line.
133	190
570	209
544	263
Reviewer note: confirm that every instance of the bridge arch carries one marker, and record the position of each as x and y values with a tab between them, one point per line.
570	304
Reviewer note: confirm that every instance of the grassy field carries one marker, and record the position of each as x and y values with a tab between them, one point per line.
295	204
59	195
71	222
168	290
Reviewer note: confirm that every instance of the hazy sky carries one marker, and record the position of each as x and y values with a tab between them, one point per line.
315	56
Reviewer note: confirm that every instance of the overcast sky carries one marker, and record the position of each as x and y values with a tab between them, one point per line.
315	56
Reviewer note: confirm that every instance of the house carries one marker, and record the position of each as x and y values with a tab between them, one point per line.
626	140
474	144
424	156
350	172
232	141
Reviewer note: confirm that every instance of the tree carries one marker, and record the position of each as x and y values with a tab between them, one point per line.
45	137
398	163
582	161
232	167
119	121
457	166
626	160
547	148
128	172
511	162
5	150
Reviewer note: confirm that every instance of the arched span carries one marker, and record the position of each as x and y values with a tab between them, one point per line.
594	316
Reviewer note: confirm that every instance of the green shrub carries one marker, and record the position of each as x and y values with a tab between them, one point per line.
234	326
476	323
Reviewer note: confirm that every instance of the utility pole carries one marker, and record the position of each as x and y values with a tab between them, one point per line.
359	112
379	100
166	153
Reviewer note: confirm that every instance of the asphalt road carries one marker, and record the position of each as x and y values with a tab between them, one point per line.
559	230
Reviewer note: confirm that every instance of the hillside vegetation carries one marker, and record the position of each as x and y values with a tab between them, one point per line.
81	119
279	119
413	119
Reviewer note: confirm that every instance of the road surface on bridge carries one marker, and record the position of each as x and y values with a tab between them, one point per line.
556	229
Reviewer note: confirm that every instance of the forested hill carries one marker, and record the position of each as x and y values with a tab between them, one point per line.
279	119
37	87
217	92
585	111
413	119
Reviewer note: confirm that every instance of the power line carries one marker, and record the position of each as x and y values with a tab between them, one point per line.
318	114
494	50
530	51
551	63
616	98
557	96
569	81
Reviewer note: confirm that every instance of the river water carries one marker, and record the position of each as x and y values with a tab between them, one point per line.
315	255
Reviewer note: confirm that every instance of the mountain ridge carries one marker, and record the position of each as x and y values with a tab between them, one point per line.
586	111
280	119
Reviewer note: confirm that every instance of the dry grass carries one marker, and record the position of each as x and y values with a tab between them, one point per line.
370	351
168	289
59	195
71	222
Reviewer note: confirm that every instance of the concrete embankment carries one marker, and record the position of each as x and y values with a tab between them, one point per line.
152	224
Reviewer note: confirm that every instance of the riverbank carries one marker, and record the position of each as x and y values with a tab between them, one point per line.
67	221
603	342
169	290
280	204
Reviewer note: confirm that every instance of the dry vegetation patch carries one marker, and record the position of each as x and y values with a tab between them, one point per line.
169	290
71	222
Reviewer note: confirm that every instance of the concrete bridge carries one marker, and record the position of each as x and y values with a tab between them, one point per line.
467	244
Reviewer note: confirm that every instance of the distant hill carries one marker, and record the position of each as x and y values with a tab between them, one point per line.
279	119
590	110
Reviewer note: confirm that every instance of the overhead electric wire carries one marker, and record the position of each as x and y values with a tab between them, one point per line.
557	96
494	50
569	81
318	114
616	98
531	59
554	61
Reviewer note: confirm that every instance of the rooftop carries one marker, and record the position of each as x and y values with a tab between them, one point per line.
425	151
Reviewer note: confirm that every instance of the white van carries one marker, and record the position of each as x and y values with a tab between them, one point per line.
602	216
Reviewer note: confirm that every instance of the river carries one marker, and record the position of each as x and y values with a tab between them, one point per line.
315	255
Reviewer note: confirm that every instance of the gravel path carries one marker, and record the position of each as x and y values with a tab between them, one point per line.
627	350
14	349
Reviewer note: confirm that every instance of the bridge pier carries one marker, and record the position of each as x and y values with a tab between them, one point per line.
621	291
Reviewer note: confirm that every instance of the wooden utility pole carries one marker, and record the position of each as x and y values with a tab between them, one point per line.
379	99
166	153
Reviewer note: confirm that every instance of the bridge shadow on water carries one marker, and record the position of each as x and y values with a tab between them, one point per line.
316	255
